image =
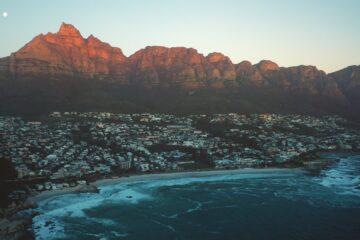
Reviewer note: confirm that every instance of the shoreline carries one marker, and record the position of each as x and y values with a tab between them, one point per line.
151	176
42	196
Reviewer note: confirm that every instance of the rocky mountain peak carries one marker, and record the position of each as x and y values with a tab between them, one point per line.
69	57
67	54
69	30
267	65
92	38
217	57
244	66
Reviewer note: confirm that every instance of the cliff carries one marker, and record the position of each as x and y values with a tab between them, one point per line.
64	69
67	53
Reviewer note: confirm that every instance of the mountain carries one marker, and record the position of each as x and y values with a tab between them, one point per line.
64	71
181	67
348	80
67	53
306	79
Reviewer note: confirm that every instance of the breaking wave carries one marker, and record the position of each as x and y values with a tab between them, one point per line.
195	193
344	178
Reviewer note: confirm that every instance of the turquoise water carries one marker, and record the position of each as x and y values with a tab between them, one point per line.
277	204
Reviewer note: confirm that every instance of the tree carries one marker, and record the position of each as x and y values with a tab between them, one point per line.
7	170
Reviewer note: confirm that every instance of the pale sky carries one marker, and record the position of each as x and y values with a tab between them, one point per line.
324	33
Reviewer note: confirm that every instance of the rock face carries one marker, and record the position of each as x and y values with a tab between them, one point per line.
67	53
184	67
266	66
299	79
14	230
68	69
166	67
348	80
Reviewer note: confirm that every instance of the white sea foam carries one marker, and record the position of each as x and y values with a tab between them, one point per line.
344	178
49	224
46	227
217	178
284	183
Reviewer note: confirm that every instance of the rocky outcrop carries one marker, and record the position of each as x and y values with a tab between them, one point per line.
180	67
67	53
168	67
220	70
348	80
246	73
14	229
299	79
307	79
15	226
87	188
266	66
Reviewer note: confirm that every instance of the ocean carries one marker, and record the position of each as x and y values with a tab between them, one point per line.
276	204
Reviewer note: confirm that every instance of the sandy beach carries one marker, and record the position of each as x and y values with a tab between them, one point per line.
153	176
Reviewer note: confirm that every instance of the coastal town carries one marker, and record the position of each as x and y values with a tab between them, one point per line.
72	149
78	146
